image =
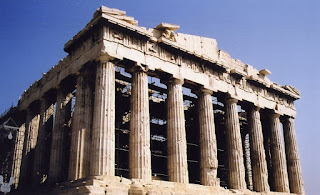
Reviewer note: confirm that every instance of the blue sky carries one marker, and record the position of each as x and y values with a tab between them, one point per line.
282	36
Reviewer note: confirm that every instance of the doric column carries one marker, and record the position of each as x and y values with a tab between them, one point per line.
58	166
18	155
139	145
30	141
103	130
257	152
235	152
279	165
176	133
40	163
208	143
81	128
293	162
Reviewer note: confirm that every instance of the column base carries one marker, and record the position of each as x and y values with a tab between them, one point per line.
101	185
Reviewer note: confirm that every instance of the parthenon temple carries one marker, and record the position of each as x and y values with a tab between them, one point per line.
132	110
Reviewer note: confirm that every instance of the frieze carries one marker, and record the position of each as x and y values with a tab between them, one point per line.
117	37
152	48
187	63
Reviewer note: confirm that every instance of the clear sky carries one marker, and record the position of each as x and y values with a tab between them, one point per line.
282	36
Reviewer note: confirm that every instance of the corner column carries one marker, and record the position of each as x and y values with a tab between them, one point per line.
235	152
279	164
139	145
293	162
258	156
103	131
176	133
208	143
81	128
58	165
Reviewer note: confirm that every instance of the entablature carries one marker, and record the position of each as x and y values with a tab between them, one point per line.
111	33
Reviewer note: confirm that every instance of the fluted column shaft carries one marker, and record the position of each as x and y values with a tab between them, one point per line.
103	131
81	128
208	143
293	162
279	164
30	141
176	134
235	152
58	167
40	163
258	156
139	145
16	172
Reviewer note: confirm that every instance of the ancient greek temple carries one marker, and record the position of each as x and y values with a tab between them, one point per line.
132	110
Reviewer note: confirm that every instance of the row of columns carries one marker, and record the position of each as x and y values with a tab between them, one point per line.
95	154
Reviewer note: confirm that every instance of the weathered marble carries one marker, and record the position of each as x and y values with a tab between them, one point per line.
102	160
139	145
278	156
293	160
58	166
40	162
258	156
30	141
113	39
208	142
79	163
235	152
176	132
17	158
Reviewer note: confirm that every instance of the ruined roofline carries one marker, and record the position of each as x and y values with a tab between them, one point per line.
222	58
162	35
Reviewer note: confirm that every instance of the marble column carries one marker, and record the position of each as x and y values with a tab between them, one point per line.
30	141
40	163
235	152
139	144
208	143
176	133
278	158
293	162
79	163
58	165
103	131
18	155
257	152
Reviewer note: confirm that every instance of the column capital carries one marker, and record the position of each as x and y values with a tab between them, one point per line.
137	67
254	107
202	90
287	118
105	57
175	80
290	119
31	109
43	98
231	100
274	115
